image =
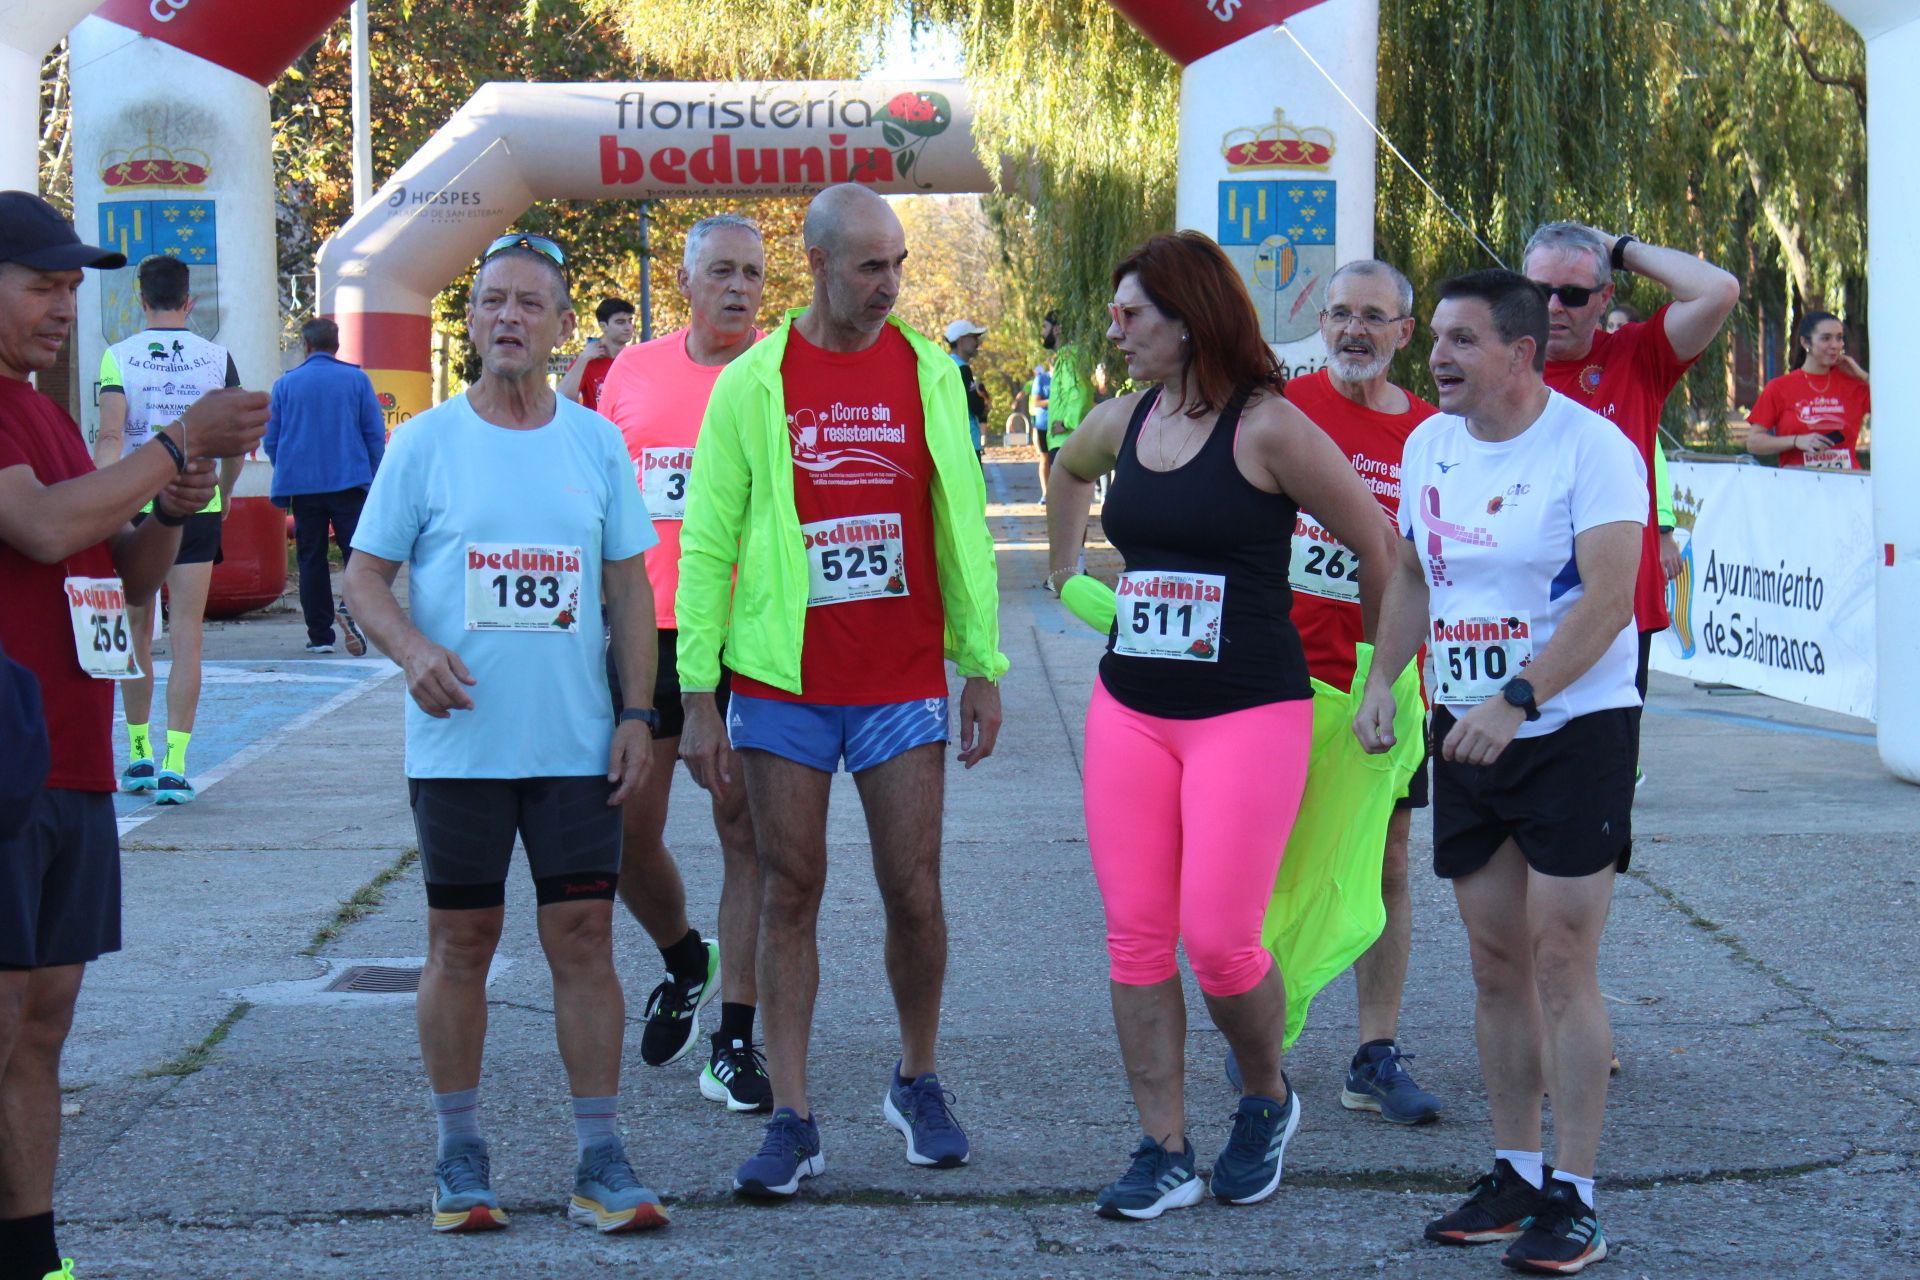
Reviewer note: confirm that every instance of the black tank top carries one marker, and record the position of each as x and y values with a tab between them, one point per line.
1206	583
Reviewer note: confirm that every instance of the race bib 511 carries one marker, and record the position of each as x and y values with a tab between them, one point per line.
1473	658
854	558
514	586
1170	615
1320	565
663	475
102	640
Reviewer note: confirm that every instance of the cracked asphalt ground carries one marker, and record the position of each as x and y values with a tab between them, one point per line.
1757	963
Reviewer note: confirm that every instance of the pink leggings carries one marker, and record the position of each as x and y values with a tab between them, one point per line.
1186	822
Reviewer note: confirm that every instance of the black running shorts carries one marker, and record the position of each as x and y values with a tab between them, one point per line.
1565	798
199	538
666	687
60	882
466	828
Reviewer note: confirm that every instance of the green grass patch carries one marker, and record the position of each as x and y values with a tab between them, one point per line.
364	902
200	1054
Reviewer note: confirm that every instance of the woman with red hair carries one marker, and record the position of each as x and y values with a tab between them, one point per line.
1201	720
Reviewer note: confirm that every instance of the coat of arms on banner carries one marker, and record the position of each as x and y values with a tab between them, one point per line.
182	229
1280	236
1280	232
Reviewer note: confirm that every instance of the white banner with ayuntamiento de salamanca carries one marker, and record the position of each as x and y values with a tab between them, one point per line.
1775	591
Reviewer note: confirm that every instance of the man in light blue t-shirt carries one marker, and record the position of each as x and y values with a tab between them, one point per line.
521	526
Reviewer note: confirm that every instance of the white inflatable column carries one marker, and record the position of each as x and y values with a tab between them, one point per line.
1279	168
28	28
1892	31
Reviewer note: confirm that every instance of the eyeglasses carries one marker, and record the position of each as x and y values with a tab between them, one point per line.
1340	318
527	240
1124	316
1570	295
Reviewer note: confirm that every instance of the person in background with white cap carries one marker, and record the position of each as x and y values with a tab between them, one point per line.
963	343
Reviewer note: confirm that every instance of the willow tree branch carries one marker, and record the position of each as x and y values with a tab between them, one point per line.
1855	85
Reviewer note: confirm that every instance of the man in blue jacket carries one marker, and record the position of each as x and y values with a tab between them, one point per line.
324	437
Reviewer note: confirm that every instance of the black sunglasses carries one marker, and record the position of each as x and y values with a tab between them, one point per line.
527	240
1571	295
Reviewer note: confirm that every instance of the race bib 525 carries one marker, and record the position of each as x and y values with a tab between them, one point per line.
854	558
1473	658
1170	615
513	586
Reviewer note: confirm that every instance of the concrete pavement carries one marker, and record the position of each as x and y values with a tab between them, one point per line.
1757	964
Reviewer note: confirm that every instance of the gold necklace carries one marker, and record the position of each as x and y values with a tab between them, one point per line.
1165	464
1819	390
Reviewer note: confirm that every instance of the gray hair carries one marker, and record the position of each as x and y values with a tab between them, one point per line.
1573	237
697	234
1373	268
562	287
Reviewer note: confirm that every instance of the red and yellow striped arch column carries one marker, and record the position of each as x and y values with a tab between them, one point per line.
396	349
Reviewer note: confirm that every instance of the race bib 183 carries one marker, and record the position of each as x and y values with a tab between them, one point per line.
1320	565
1473	658
854	558
663	475
1170	615
102	640
514	586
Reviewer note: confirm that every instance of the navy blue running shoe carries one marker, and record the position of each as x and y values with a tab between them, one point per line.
1248	1170
922	1110
790	1152
1156	1181
1377	1082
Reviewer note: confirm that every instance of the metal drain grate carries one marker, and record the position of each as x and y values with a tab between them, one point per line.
380	978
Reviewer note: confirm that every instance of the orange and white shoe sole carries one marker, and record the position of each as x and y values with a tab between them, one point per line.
589	1213
478	1218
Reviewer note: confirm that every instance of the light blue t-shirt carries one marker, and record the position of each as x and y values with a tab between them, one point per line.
488	521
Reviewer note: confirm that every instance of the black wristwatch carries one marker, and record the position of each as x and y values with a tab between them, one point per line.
1619	254
1519	693
647	714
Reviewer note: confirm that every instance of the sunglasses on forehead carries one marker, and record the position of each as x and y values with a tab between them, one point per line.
1571	295
526	240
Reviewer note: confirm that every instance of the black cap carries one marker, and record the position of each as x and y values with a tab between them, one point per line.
33	234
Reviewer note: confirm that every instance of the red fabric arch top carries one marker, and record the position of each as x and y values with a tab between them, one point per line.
249	37
1189	30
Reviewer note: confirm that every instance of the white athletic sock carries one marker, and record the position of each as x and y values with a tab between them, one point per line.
1583	1185
1527	1164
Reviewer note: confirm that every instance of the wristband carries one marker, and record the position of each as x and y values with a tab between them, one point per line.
162	518
173	451
1619	255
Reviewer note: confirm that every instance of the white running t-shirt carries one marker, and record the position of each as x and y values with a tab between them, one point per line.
1494	524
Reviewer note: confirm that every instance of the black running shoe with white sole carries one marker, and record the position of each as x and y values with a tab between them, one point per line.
673	1012
736	1074
1563	1239
1503	1205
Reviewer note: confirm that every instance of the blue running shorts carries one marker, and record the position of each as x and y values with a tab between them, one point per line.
818	735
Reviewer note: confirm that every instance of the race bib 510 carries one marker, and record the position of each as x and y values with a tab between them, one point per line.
1473	658
514	586
1169	615
854	558
102	640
